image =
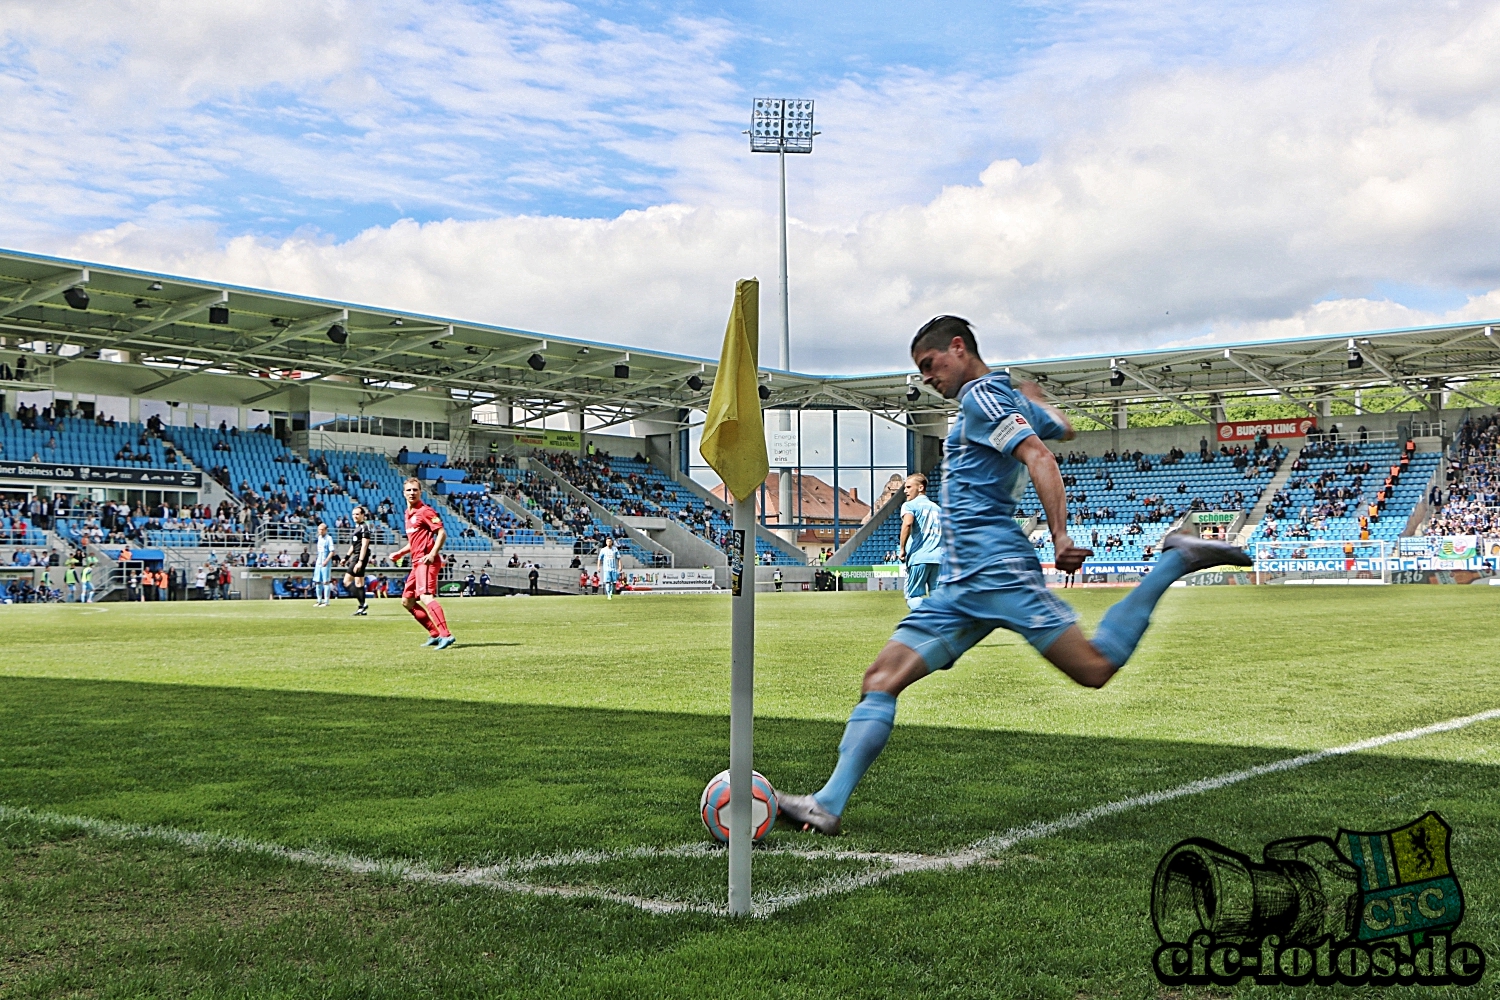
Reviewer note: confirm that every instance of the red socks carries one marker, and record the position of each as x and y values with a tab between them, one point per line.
424	620
435	612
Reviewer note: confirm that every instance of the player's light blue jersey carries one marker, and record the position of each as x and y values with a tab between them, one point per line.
981	481
925	543
325	549
609	559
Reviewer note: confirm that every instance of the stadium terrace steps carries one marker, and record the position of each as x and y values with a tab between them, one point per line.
1395	519
603	514
1252	520
770	548
527	532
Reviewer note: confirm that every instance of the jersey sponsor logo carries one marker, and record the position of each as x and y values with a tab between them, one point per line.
1360	909
1010	429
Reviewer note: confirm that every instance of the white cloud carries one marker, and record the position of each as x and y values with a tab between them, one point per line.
1268	193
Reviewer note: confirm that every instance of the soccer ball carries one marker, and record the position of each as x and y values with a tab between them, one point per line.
714	807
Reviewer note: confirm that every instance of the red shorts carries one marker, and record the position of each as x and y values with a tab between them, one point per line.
422	581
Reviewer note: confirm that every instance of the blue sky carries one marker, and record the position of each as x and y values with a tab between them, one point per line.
1070	175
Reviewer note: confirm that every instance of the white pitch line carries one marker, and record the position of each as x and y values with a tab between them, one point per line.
503	876
982	851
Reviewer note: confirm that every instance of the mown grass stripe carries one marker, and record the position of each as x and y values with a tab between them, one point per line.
504	876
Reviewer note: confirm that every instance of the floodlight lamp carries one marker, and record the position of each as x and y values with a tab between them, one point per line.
155	286
1166	369
471	349
1489	331
537	362
781	126
622	371
1355	360
695	383
397	322
913	394
142	304
338	334
1041	376
1206	365
764	392
1116	377
77	296
218	315
437	345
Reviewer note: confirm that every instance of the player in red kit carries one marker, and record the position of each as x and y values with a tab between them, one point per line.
425	536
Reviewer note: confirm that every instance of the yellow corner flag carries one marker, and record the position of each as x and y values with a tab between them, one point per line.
734	437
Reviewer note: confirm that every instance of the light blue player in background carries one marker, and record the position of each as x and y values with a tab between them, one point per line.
991	577
323	567
921	540
609	568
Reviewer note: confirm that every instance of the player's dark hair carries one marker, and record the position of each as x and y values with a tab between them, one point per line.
938	332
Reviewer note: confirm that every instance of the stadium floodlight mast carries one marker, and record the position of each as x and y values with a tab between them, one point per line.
782	126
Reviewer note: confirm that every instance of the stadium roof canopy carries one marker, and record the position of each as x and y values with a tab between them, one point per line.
182	327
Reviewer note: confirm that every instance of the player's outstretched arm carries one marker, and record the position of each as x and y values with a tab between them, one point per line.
1034	392
1047	479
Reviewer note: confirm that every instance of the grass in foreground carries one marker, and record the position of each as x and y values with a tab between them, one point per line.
566	724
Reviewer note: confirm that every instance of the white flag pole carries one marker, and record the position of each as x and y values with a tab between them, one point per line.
741	704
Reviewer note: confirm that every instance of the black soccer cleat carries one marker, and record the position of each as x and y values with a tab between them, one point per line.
802	812
1201	553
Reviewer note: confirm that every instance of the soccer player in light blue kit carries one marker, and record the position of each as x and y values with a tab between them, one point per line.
323	567
990	575
609	568
921	540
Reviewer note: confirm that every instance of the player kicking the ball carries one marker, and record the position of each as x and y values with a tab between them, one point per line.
357	561
990	575
425	536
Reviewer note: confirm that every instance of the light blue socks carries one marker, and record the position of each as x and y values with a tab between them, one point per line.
864	737
1126	622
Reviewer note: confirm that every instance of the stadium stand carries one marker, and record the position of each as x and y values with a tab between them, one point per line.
1469	501
634	487
1120	505
291	496
563	520
75	441
1348	491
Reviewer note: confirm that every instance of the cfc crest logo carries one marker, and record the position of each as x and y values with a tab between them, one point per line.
1365	908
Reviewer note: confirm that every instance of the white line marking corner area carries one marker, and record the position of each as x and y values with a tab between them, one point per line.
510	875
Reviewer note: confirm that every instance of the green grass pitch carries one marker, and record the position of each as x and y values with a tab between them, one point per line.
579	725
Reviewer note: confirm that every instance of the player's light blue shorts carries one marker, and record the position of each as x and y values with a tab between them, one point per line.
921	579
611	576
1010	595
322	574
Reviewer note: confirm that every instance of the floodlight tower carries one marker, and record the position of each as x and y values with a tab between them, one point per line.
783	126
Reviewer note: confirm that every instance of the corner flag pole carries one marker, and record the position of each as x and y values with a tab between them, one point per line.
734	445
741	704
